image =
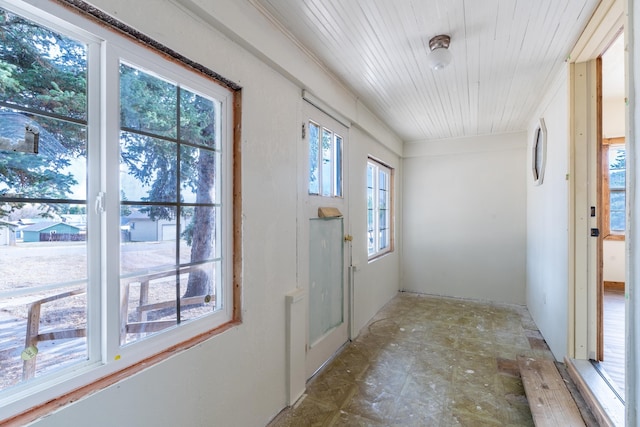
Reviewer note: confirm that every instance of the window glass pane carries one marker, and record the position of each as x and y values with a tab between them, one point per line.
147	268
617	179
42	69
43	267
378	199
149	304
382	179
617	162
43	221
201	249
617	221
327	159
617	157
198	236
200	304
370	210
314	155
148	169
197	174
197	119
382	221
617	210
168	262
59	168
383	239
148	238
147	103
338	167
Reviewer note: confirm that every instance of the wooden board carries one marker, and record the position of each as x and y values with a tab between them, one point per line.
549	399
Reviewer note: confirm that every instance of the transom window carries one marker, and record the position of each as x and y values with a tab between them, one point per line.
379	218
115	167
325	161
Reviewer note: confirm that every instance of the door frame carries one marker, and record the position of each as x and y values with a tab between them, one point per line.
585	131
314	110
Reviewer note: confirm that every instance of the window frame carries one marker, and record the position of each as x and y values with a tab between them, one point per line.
108	362
335	167
605	190
389	171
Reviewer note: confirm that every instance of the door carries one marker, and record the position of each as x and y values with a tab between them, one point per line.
323	251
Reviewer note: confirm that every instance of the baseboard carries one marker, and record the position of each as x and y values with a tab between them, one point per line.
614	286
604	404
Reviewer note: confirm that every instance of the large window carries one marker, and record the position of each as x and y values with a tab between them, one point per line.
379	218
614	188
115	167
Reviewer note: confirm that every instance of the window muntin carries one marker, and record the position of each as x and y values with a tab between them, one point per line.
379	187
614	188
325	161
100	168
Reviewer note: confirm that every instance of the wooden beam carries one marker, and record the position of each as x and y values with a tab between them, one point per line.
549	399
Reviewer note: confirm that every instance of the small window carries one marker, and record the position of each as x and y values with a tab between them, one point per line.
614	188
325	161
379	206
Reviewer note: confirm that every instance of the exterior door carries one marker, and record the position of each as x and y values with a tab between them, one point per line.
323	250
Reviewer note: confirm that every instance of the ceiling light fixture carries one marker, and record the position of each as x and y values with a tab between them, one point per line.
439	57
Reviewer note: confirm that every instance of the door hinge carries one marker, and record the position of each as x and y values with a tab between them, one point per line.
304	131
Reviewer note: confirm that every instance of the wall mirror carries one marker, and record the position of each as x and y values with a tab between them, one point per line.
539	152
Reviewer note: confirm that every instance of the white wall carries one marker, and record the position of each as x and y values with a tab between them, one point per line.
613	268
613	117
238	377
376	282
547	224
464	202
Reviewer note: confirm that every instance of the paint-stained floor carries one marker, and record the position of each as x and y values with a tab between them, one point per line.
426	361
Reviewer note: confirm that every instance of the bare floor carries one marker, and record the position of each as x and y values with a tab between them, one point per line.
614	313
426	361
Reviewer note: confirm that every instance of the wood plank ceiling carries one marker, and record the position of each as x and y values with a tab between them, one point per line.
506	53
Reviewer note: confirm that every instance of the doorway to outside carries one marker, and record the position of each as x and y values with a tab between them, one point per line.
611	245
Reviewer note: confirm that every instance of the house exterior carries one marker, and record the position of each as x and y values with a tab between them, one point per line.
7	233
44	231
492	235
139	227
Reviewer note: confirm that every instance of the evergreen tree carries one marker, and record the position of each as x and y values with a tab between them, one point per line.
42	71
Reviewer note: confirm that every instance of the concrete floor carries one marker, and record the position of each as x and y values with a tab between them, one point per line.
426	361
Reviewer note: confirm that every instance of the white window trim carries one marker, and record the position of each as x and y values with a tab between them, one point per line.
105	356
